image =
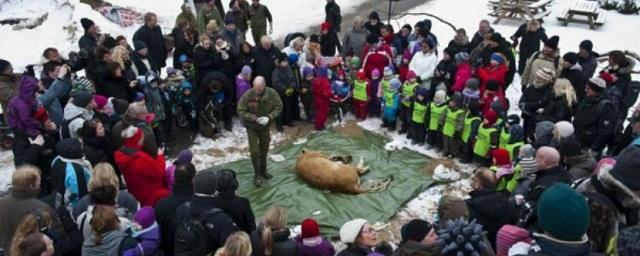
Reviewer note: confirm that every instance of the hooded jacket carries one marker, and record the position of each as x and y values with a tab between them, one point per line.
148	241
354	42
76	116
538	61
238	208
22	107
109	246
70	172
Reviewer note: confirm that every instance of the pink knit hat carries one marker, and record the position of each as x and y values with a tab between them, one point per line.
101	101
509	235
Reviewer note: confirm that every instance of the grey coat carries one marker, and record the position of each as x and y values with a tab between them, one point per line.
354	42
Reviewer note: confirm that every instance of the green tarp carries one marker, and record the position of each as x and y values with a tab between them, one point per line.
331	210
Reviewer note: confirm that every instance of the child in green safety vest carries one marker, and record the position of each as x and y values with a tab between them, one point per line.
486	139
391	102
384	83
419	116
361	95
524	169
516	140
472	121
453	126
436	120
408	91
505	136
504	171
352	69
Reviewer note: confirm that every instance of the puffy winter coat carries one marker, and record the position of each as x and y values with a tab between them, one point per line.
492	210
424	65
378	59
594	121
354	42
538	61
463	73
497	74
154	40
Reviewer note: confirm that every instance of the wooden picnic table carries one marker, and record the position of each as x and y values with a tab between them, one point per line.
585	9
519	9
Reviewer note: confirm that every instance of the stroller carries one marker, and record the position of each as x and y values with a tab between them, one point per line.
342	93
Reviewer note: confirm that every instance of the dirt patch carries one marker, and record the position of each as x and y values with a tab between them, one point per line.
430	167
216	152
350	129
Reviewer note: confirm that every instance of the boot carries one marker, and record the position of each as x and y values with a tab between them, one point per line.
258	180
263	166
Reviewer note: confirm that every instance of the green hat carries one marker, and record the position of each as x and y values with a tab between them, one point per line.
563	213
355	61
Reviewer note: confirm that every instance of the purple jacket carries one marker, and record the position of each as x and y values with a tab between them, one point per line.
22	107
241	87
325	248
148	241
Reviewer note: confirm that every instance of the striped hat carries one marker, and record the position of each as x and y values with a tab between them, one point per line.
509	235
546	74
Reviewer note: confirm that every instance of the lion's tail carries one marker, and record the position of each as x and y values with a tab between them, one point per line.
376	186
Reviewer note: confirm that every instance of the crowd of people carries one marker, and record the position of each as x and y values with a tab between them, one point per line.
91	178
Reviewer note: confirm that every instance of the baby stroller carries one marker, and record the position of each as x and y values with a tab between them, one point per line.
341	99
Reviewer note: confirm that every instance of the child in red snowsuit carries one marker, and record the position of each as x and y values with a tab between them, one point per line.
321	95
376	55
361	95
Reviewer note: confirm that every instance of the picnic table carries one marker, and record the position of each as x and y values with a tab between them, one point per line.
586	9
519	9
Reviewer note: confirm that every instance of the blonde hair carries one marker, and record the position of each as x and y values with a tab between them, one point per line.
563	87
203	38
103	174
25	178
213	26
237	244
274	219
29	225
117	55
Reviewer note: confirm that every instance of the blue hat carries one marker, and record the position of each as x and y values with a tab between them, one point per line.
307	71
293	58
246	70
139	45
228	19
423	91
185	85
497	58
183	58
517	133
395	84
323	71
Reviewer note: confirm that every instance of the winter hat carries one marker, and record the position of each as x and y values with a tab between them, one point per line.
86	23
361	75
570	57
372	39
355	61
184	178
570	148
351	229
82	84
374	15
411	75
227	181
626	170
120	106
423	91
388	72
185	85
310	228
408	27
395	84
496	106
491	117
293	58
543	129
415	230
375	73
513	119
145	216
205	183
183	58
457	99
440	97
307	71
597	84
516	133
228	19
462	57
508	235
528	150
449	51
70	148
325	26
552	42
492	85
3	65
184	157
496	37
546	74
282	57
563	213
41	115
314	38
139	45
460	237
628	241
132	136
497	58
452	207
501	157
565	129
472	84
323	71
246	70
81	98
171	71
101	101
587	45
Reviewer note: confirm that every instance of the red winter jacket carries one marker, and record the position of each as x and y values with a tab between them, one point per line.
498	74
463	73
321	94
376	59
145	176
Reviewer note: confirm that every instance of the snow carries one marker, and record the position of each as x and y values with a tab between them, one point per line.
6	169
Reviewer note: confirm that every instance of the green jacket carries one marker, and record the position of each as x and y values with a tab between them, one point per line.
188	16
259	16
207	13
251	106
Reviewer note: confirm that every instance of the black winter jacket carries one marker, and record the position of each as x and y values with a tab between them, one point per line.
282	245
154	40
492	210
533	99
224	225
40	156
328	44
239	209
166	210
265	62
594	121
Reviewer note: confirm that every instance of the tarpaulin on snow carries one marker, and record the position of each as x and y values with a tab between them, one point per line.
331	210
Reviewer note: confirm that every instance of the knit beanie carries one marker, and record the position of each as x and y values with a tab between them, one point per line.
132	136
411	75
310	228
355	61
388	72
139	45
70	148
516	133
597	84
626	169
325	26
184	178
323	72
552	42
81	98
431	43
462	57
508	235
460	237
628	241
3	65
564	128
563	213
449	51
570	148
351	229
423	91
101	101
184	157
543	129
145	216
375	73
395	84
293	58
570	57
205	183
587	45
227	181
491	117
228	19
440	97
545	74
307	71
497	58
86	23
501	157
415	230
528	150
472	84
513	119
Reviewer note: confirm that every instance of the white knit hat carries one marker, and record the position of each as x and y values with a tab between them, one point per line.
565	129
350	230
440	97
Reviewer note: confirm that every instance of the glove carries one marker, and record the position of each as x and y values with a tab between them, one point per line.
263	120
288	92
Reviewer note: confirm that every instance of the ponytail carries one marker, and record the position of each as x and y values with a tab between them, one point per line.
267	240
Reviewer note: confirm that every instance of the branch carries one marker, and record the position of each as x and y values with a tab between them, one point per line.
427	14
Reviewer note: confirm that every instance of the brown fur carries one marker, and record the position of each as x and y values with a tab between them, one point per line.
334	173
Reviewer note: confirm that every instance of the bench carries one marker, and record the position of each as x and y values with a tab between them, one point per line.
594	17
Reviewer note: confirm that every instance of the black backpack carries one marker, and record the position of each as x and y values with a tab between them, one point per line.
191	237
64	130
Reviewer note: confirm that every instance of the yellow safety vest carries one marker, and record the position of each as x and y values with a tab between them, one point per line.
449	128
435	112
483	141
360	90
418	112
408	90
466	131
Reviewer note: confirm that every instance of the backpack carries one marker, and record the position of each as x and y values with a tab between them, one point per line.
191	237
64	130
556	61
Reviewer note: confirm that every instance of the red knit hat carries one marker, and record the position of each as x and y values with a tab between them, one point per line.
362	75
132	136
411	75
501	157
326	26
101	101
310	228
509	235
490	116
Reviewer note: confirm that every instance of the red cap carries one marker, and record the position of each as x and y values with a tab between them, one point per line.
411	75
491	117
310	228
501	157
325	26
41	115
362	75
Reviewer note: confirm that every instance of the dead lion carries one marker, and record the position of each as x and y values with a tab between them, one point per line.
336	174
